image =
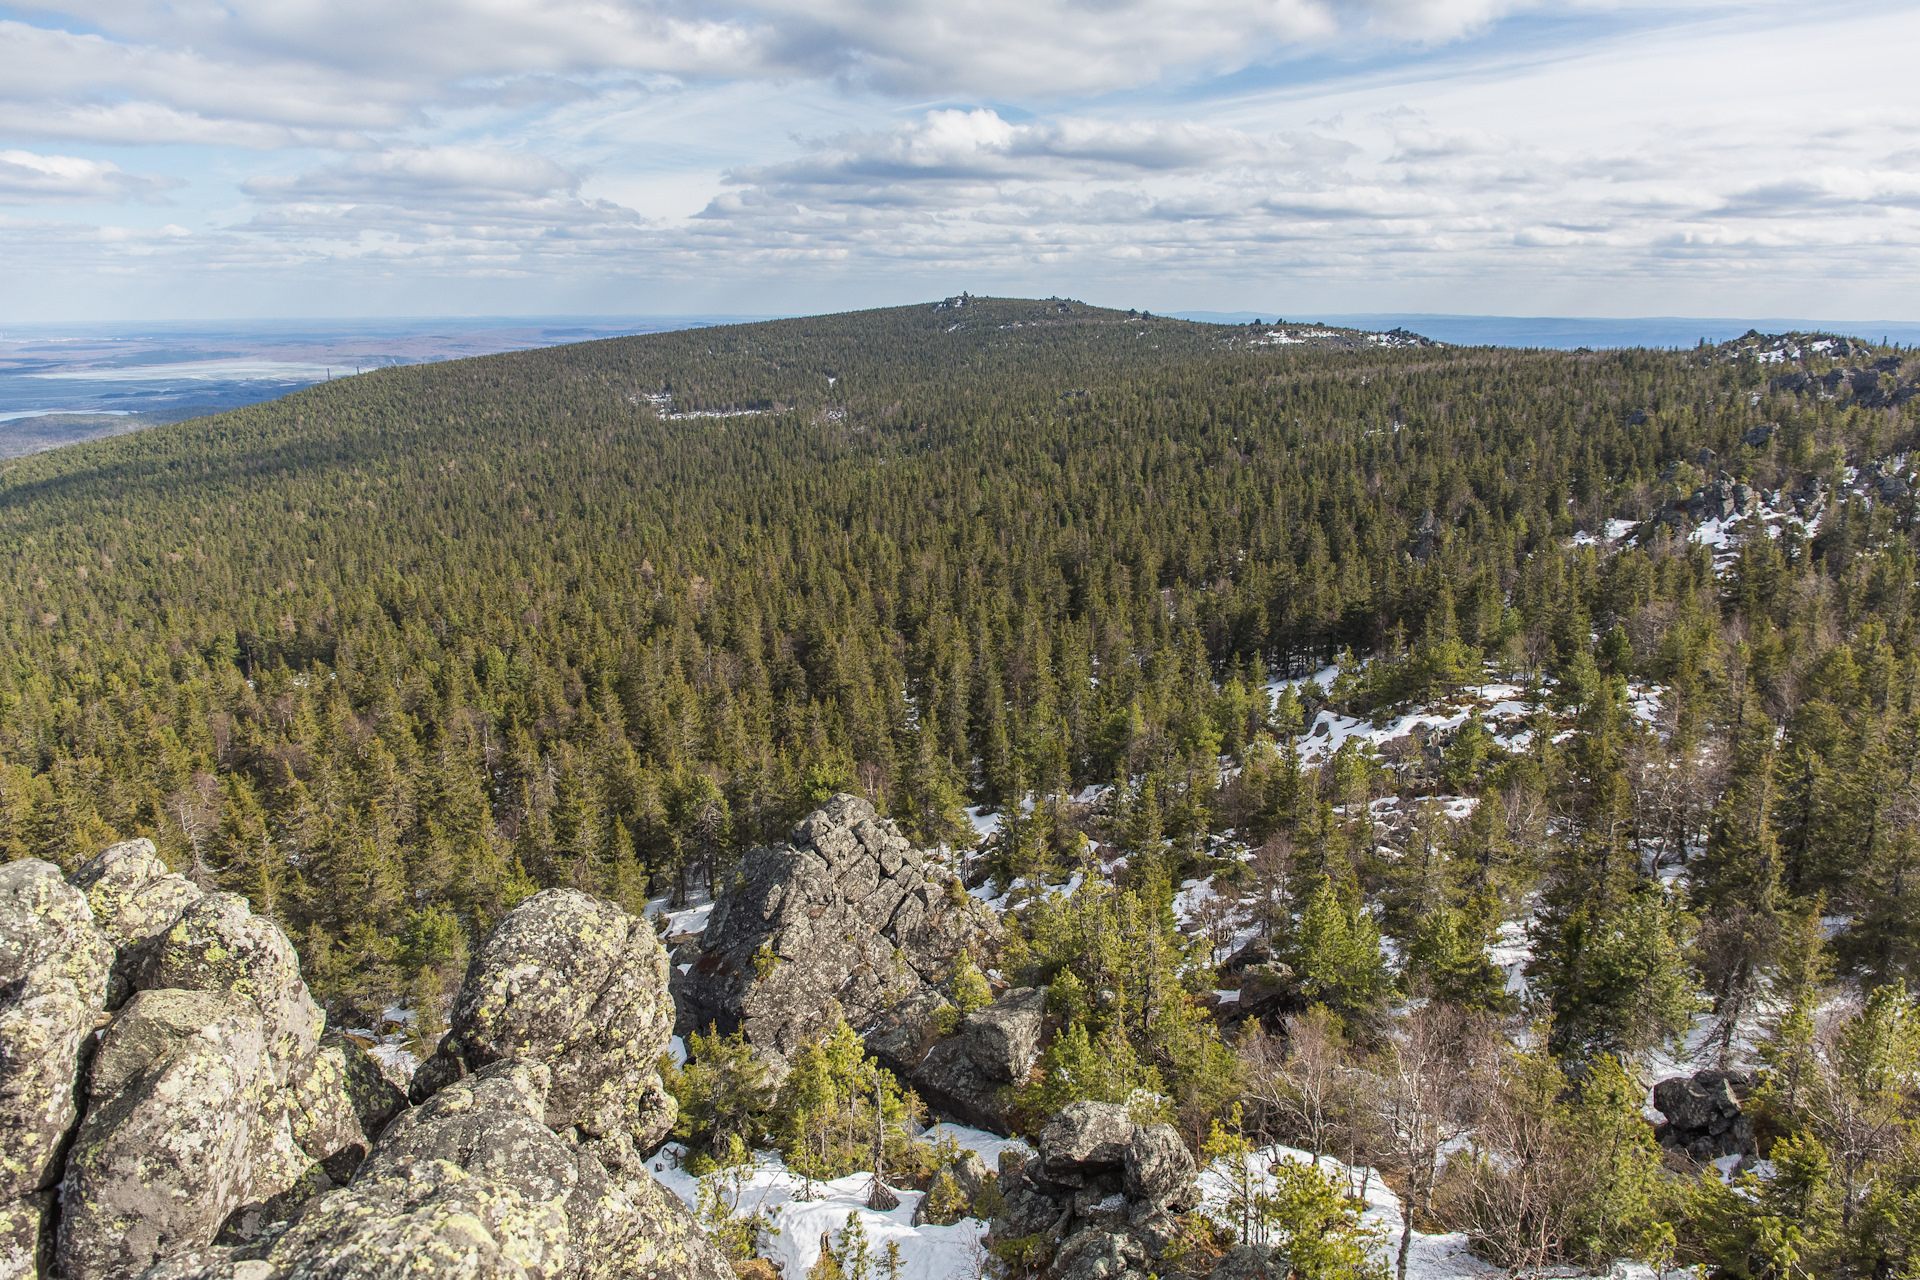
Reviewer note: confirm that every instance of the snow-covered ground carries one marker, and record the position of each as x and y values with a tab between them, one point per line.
1430	1257
690	919
396	1061
800	1212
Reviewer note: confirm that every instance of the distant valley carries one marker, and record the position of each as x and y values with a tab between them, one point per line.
64	383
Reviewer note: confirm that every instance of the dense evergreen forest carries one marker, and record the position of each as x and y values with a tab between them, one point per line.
392	653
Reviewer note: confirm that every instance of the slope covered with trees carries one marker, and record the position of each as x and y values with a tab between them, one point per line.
393	652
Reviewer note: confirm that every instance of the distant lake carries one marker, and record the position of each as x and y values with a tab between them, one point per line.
60	383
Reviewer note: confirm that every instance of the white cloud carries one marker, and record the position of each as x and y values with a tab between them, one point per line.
1364	153
26	178
435	175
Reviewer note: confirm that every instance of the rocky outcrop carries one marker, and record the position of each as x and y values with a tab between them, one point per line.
472	1183
845	920
1101	1193
213	1107
972	1075
134	899
213	1128
218	944
577	984
54	968
1705	1115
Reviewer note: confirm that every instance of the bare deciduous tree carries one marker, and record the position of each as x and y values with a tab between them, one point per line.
1301	1088
1428	1089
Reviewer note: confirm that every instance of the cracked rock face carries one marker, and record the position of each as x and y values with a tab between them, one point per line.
846	919
576	983
181	1130
54	968
135	899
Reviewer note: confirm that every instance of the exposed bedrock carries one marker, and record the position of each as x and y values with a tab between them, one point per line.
163	1065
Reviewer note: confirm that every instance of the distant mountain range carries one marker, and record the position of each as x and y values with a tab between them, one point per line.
1564	333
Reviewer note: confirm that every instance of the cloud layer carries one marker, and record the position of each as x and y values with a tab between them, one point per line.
659	154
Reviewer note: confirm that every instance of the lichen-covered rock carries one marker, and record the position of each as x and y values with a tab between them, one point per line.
576	983
1004	1038
845	920
953	1084
22	1236
472	1185
972	1075
1094	1254
339	1102
218	944
54	967
903	1035
133	895
183	1126
1103	1191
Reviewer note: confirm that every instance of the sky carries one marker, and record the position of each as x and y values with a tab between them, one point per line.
236	158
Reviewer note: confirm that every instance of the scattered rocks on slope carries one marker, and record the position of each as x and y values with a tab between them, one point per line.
54	968
846	919
1705	1114
1101	1192
580	986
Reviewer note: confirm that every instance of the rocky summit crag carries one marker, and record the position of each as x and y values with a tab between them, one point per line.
848	920
172	1105
845	920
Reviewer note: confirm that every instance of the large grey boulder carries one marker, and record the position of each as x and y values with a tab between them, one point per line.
575	983
1084	1140
218	944
1159	1172
971	1076
1003	1039
54	968
844	920
182	1128
339	1102
473	1184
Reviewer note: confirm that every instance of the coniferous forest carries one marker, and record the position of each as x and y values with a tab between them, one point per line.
1142	599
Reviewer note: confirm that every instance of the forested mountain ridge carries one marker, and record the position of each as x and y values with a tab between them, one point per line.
391	653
